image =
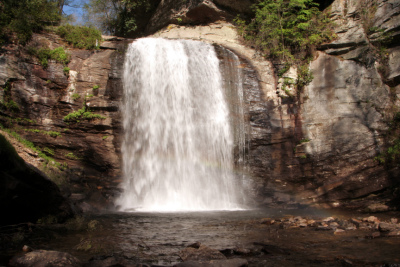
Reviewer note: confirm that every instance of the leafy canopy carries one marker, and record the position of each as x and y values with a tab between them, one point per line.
118	17
23	17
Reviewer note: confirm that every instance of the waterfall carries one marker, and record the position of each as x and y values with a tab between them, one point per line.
178	140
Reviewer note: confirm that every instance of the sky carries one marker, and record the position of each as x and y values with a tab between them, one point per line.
76	9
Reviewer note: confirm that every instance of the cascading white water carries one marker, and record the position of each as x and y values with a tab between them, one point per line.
178	144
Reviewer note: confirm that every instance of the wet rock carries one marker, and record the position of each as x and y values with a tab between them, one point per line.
215	263
356	222
195	245
373	235
323	228
228	252
242	251
387	227
118	259
371	219
377	208
338	231
334	225
26	248
329	219
267	221
394	233
272	249
40	258
202	253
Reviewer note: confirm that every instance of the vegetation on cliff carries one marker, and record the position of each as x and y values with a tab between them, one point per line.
82	114
287	32
80	36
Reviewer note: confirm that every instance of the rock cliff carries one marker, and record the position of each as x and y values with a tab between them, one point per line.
44	96
318	147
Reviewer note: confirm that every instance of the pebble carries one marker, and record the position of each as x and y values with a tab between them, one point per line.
329	219
338	231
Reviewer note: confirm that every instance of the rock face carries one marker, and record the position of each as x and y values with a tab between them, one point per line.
90	148
26	194
318	147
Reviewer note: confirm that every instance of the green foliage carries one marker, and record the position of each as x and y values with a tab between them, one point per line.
12	106
50	133
82	114
66	70
49	151
23	17
95	87
49	219
105	137
305	76
80	36
391	155
76	96
93	225
283	30
71	156
44	55
304	140
53	133
119	17
30	145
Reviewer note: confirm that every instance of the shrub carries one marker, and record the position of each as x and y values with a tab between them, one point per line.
95	87
80	36
82	114
76	96
66	70
57	54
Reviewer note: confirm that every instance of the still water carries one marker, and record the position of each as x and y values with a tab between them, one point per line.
157	238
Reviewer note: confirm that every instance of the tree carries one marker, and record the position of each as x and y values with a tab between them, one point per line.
117	17
23	17
283	28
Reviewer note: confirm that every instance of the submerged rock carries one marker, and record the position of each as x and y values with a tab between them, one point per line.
202	253
215	263
45	258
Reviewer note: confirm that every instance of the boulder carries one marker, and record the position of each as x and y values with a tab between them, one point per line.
185	12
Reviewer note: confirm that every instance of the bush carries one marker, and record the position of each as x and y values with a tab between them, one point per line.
82	114
80	36
76	96
45	54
